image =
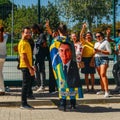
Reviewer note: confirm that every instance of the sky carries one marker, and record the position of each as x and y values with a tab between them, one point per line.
44	2
29	2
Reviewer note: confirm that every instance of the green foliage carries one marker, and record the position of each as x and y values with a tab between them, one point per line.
22	17
50	12
26	16
5	8
10	49
112	44
88	11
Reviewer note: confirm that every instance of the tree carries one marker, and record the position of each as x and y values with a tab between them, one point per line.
23	16
27	16
88	11
50	12
5	8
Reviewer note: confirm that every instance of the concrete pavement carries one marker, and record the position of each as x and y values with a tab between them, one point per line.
91	107
106	111
13	98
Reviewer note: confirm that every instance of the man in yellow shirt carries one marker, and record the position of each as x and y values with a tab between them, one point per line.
25	53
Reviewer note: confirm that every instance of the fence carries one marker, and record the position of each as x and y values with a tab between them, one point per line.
13	76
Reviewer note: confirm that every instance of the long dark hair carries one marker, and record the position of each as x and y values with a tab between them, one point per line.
89	33
39	27
101	33
62	28
1	33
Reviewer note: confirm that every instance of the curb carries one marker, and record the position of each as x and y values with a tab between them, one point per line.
55	102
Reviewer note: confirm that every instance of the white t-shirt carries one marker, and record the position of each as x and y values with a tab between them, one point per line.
3	50
102	45
78	51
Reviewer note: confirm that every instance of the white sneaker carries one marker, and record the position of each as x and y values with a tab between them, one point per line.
40	89
35	88
106	95
100	92
53	92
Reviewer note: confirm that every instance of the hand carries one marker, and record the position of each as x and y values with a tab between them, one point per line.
108	32
47	23
15	48
32	71
84	25
97	50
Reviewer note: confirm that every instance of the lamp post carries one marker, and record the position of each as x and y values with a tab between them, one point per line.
39	11
114	19
12	12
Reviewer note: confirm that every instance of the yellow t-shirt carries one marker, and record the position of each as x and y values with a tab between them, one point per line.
24	47
88	49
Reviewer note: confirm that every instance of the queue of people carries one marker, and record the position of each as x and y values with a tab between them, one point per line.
68	55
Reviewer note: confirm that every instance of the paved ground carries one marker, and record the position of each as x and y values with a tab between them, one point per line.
84	112
91	107
13	98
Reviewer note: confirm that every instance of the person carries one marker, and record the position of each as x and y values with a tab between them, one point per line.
26	66
30	91
78	49
42	52
102	51
3	53
87	57
116	67
51	35
116	71
72	77
115	46
117	42
58	71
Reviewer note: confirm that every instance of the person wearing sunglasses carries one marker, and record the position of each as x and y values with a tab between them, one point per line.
102	51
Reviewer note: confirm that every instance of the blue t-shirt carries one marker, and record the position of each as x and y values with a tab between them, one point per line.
117	42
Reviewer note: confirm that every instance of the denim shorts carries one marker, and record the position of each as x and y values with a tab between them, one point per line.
101	61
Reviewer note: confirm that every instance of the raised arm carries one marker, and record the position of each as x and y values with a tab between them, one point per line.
82	40
108	32
48	27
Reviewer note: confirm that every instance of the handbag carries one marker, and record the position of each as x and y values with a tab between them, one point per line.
80	64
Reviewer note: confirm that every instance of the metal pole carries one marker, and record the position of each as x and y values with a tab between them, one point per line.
39	11
12	27
114	19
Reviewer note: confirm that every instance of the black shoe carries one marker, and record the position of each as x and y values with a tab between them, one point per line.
2	93
72	107
62	108
31	97
26	107
73	103
117	89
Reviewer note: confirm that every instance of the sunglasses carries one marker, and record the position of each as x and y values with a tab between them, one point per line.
97	36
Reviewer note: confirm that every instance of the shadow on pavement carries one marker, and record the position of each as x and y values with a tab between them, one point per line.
96	109
84	109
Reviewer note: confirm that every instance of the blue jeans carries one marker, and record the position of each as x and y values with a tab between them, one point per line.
40	73
101	61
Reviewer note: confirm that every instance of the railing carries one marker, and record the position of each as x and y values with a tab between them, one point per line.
13	76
